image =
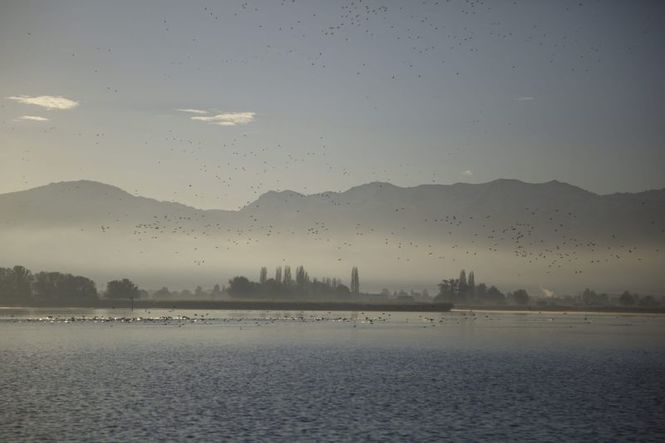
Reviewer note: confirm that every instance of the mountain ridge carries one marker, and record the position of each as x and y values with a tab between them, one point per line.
86	184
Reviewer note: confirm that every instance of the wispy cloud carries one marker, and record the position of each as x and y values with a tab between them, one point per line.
524	98
227	118
193	111
34	118
467	173
46	101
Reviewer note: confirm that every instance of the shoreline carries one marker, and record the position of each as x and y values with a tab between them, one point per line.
266	305
564	309
254	305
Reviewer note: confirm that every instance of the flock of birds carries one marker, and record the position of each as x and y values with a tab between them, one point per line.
557	239
429	46
423	32
429	35
354	319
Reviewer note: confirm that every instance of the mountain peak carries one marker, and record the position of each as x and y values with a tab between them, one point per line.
80	185
371	187
375	184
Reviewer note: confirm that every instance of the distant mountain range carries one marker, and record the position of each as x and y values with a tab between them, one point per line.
544	235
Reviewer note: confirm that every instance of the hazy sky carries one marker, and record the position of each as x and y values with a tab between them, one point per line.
213	103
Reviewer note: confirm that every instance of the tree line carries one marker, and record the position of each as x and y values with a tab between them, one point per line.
284	285
464	290
19	286
593	298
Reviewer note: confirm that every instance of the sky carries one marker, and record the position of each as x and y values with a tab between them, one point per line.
214	103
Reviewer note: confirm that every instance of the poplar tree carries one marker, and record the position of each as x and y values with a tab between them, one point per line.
463	285
287	275
301	276
472	283
355	282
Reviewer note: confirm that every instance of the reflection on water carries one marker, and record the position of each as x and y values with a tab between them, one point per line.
266	375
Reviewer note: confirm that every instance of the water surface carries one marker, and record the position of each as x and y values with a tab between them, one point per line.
87	375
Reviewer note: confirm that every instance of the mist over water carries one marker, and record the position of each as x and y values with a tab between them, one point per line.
512	234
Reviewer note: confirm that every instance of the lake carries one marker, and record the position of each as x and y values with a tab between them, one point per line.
95	375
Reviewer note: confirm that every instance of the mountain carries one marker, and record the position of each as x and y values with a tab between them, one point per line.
544	234
81	202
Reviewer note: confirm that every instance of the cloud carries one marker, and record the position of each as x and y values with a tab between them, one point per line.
34	118
228	118
467	173
46	101
524	99
193	111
